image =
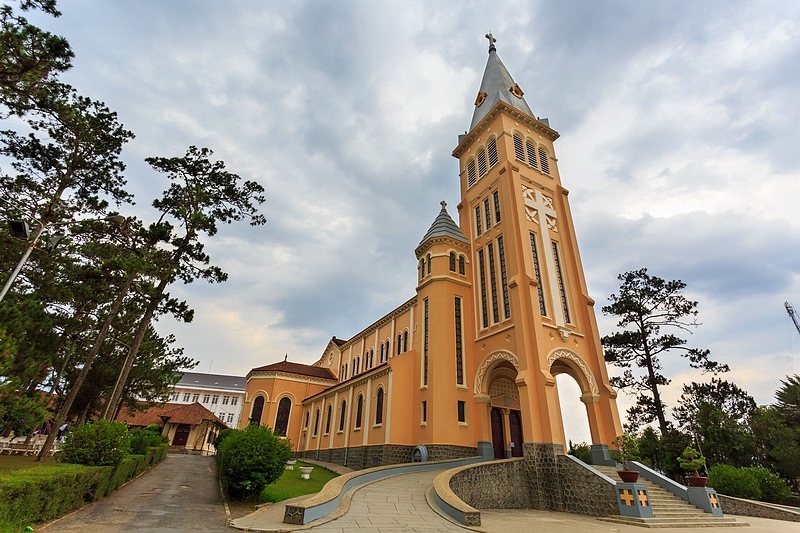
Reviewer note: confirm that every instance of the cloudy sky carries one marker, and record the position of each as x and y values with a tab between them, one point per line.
679	145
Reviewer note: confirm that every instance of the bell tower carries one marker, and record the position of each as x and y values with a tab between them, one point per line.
533	317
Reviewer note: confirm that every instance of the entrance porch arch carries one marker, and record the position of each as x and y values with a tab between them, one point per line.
564	361
496	388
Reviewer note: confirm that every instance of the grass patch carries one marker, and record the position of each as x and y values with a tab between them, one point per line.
19	461
290	485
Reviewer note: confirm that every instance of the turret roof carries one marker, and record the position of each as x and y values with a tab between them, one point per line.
444	226
497	85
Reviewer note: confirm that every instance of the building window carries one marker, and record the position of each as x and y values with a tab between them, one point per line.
429	264
504	277
545	165
492	149
531	149
471	175
258	408
215	399
519	152
230	418
176	396
452	261
328	414
359	410
421	268
462	267
462	412
308	414
186	396
561	289
405	341
226	400
399	343
488	213
482	273
425	347
341	415
478	227
424	411
537	272
234	400
383	349
316	422
206	398
493	281
379	407
282	418
459	343
481	162
195	397
496	197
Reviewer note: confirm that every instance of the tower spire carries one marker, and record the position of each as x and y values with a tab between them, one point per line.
492	40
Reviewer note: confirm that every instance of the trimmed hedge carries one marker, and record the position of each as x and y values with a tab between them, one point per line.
38	494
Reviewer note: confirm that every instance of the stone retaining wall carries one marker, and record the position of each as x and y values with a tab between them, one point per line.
361	457
499	485
738	506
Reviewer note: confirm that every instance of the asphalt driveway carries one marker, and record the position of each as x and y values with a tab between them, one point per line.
179	494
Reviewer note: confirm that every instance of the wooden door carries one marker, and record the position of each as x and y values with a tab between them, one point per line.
181	435
515	425
498	440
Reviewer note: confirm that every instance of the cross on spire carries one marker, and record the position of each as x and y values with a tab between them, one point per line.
492	40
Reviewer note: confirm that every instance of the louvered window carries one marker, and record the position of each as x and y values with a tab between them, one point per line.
519	152
471	176
488	213
561	290
531	149
538	273
545	165
482	162
452	261
478	225
496	196
492	148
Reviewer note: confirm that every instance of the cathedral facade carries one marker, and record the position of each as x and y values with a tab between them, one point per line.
466	366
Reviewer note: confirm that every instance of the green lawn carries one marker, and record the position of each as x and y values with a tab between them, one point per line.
291	485
15	462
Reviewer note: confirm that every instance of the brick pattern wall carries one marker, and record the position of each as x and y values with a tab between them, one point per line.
584	492
542	474
747	508
493	486
360	457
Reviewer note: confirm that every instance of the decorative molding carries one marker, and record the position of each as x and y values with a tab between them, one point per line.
562	353
500	355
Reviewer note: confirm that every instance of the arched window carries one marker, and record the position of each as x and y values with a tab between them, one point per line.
341	415
379	407
429	263
282	418
482	162
328	414
258	408
421	268
399	343
316	422
462	268
308	414
531	149
405	341
452	261
545	165
471	176
359	410
383	347
519	150
492	149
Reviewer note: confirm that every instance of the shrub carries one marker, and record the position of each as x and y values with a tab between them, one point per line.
773	488
582	451
251	459
142	439
224	434
96	443
732	481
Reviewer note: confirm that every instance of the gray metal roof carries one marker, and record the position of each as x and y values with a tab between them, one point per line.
444	226
198	380
497	84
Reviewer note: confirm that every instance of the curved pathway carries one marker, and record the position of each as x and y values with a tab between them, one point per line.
179	494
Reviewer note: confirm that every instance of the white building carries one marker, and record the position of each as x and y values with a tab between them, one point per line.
222	395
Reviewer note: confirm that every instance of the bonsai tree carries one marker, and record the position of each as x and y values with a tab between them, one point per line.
627	449
692	461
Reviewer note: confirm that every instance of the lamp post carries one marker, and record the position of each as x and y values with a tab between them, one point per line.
20	229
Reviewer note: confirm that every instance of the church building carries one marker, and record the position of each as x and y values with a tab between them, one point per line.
467	365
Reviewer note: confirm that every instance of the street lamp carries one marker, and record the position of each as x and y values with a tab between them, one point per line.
20	230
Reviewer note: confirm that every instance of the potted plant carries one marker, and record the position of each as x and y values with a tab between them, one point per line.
627	450
692	461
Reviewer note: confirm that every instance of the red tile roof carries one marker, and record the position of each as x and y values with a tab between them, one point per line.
297	368
174	413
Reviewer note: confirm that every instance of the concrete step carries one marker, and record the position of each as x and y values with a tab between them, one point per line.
707	521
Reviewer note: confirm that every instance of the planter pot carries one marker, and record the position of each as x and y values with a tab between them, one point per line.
305	472
696	481
290	464
628	476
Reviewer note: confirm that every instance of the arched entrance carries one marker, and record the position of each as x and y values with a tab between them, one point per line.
565	361
496	387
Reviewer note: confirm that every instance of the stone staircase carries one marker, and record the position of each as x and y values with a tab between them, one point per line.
668	510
